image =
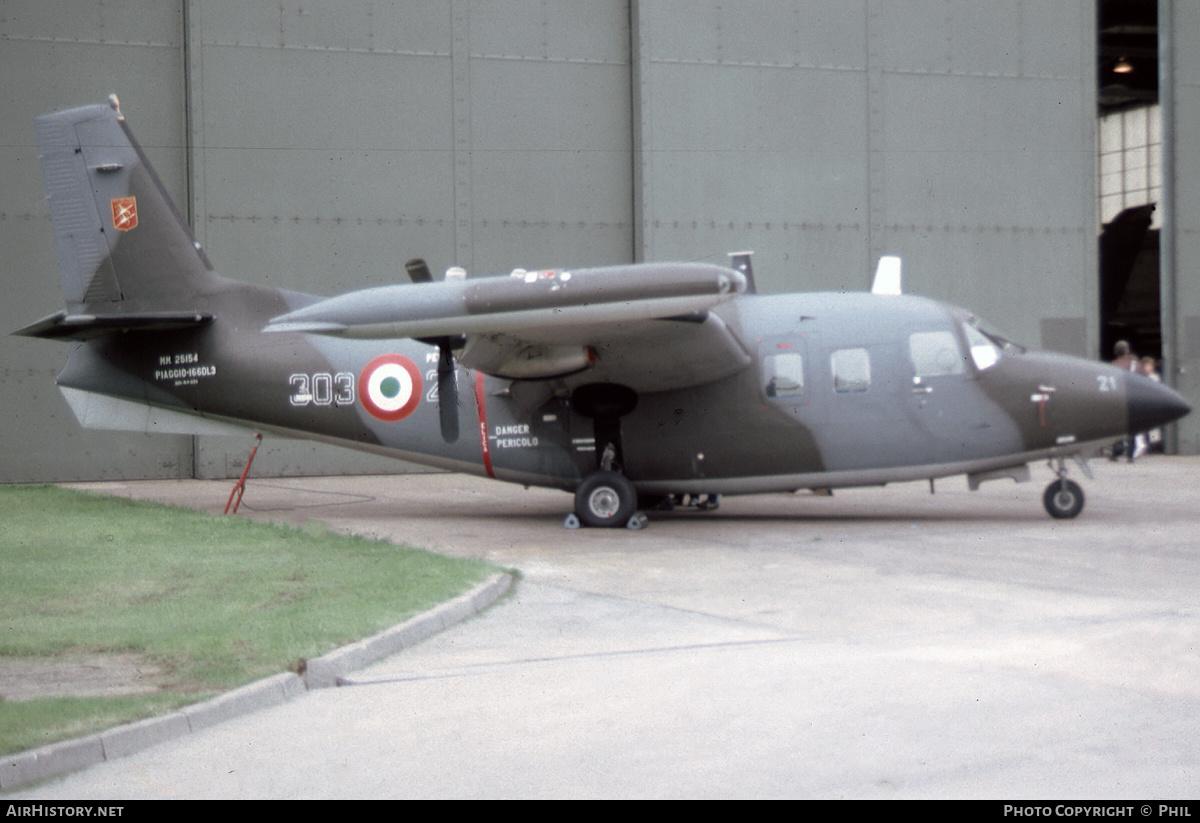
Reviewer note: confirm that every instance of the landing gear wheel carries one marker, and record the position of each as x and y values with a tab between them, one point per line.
1063	499
605	499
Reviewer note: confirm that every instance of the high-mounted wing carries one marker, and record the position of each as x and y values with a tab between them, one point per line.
647	326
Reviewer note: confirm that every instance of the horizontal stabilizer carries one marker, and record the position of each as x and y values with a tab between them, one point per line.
64	326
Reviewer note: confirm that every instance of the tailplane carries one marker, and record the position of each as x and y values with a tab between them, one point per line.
126	256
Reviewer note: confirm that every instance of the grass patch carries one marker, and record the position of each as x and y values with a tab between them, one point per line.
210	603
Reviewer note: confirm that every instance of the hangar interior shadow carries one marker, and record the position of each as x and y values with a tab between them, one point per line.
1129	283
1127	78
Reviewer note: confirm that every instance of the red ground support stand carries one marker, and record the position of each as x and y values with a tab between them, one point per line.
239	488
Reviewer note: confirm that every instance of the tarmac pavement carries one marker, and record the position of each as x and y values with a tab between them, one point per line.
879	643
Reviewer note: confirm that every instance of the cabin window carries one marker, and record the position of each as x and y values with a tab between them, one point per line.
851	370
935	354
785	375
983	351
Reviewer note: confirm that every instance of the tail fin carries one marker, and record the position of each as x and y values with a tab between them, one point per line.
126	255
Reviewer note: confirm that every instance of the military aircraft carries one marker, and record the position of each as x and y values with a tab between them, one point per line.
630	386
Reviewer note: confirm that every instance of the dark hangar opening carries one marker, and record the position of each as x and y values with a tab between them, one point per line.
1129	140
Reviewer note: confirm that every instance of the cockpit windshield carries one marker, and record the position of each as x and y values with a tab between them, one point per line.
988	331
986	343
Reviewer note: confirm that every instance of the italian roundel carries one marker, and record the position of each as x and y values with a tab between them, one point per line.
390	387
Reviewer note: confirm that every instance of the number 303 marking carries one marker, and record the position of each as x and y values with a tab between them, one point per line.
322	389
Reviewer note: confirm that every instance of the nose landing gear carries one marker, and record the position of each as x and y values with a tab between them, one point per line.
1063	498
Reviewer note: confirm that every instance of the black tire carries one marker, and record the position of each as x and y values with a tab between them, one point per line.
1063	499
605	499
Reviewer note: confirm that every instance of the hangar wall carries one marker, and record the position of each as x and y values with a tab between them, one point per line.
957	135
1179	243
319	144
333	141
57	55
315	145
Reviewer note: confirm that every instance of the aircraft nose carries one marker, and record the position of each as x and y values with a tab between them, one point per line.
1151	404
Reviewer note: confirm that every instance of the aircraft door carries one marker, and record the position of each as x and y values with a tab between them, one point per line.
785	438
942	393
865	425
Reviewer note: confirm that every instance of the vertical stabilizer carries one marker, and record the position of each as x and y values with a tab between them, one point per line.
123	247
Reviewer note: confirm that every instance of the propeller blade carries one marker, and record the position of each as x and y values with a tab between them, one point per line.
447	379
447	392
418	271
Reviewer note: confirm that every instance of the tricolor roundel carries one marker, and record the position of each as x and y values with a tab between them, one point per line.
390	387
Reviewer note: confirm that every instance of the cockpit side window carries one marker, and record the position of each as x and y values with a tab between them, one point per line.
935	354
983	351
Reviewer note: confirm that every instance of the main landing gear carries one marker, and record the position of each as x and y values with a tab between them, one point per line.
606	497
1063	498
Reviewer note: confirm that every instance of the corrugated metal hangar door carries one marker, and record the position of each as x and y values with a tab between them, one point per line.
58	55
823	135
333	141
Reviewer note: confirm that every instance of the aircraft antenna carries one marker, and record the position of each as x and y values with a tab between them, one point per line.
887	276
